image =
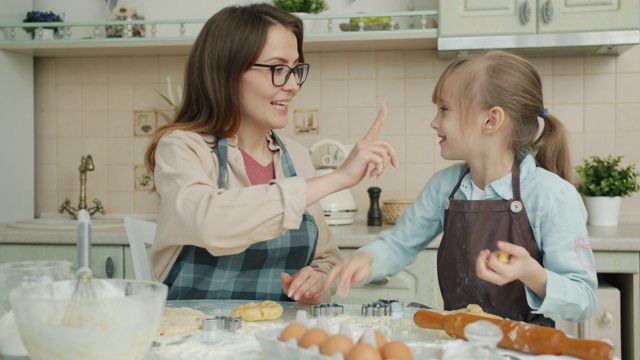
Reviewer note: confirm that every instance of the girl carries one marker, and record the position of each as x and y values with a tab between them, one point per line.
510	196
238	218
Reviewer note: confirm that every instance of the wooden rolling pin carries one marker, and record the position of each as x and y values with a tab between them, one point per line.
519	336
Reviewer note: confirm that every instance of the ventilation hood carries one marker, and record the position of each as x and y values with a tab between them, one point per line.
533	45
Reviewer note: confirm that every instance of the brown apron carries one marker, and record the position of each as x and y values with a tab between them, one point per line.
471	226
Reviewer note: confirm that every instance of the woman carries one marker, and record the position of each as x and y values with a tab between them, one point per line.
239	216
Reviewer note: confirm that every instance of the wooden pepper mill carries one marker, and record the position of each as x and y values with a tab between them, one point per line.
374	216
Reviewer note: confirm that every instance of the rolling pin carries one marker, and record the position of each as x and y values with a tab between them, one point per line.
519	336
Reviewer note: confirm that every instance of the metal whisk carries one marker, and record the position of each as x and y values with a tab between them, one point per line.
83	291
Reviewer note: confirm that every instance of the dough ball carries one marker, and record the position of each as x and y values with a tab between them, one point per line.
266	310
504	257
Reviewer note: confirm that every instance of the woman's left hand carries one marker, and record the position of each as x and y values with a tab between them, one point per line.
305	287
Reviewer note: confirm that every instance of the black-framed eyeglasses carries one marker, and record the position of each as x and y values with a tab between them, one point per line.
280	73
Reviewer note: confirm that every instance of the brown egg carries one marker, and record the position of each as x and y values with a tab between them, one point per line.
363	352
381	340
294	330
396	350
338	343
315	336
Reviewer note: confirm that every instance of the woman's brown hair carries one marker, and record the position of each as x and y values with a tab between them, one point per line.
228	44
498	78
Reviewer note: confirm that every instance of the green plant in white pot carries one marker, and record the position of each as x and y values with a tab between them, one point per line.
604	183
302	6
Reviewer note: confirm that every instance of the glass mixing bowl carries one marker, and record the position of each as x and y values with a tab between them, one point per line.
22	273
108	319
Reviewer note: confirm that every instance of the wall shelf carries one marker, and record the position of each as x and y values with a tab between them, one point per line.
175	37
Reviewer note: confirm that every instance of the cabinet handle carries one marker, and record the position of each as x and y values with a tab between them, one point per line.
605	318
110	267
382	281
547	11
525	12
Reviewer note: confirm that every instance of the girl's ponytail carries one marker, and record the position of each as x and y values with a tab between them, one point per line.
551	148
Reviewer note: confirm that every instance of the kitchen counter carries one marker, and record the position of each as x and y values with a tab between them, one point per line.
243	344
616	250
624	237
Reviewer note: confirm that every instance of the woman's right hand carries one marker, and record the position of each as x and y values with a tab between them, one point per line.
368	151
353	271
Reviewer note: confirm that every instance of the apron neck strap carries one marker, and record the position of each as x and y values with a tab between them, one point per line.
515	181
287	164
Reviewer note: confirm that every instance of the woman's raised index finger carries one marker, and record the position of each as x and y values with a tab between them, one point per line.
374	130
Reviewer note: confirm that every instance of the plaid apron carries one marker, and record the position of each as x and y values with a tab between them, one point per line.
253	274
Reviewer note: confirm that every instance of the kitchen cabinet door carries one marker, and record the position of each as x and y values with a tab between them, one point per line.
480	17
588	15
519	17
106	261
417	282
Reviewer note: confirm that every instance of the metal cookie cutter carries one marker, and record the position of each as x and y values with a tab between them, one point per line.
378	308
327	310
228	323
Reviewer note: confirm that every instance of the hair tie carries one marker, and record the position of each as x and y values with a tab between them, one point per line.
543	113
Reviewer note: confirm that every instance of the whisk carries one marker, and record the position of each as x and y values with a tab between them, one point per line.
83	294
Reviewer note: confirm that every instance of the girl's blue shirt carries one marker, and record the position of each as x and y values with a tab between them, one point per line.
557	216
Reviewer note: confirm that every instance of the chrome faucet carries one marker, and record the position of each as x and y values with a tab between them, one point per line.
86	164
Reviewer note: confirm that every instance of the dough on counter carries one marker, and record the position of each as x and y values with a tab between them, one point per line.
266	310
472	309
180	320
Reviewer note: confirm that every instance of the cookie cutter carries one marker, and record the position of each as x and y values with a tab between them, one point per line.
227	323
381	307
327	310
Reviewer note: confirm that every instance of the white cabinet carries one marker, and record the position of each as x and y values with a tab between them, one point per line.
477	17
107	261
417	282
512	17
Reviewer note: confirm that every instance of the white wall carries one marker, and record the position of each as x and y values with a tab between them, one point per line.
16	122
17	137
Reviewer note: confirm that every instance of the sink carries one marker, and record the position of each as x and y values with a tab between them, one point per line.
65	223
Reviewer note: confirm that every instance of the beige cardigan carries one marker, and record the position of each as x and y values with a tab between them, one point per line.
195	211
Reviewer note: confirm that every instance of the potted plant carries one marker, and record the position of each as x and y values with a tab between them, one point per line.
604	183
38	32
302	6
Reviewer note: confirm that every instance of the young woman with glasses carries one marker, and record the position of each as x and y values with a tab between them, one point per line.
239	216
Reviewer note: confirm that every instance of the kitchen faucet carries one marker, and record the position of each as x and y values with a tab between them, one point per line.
86	164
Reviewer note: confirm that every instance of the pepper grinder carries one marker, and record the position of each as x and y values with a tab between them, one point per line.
374	216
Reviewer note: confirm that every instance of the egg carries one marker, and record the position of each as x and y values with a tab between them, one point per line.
315	336
396	350
293	331
381	340
363	352
338	343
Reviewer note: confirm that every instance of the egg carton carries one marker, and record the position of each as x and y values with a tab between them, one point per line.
273	348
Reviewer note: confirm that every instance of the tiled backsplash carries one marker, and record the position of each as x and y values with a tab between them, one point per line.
105	107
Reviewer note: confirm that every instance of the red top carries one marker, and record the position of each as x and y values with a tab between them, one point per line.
257	173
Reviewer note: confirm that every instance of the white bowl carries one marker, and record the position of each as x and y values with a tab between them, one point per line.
118	321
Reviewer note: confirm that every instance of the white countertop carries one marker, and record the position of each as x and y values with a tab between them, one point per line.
624	237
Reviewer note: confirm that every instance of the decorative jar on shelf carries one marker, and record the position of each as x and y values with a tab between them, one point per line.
125	11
